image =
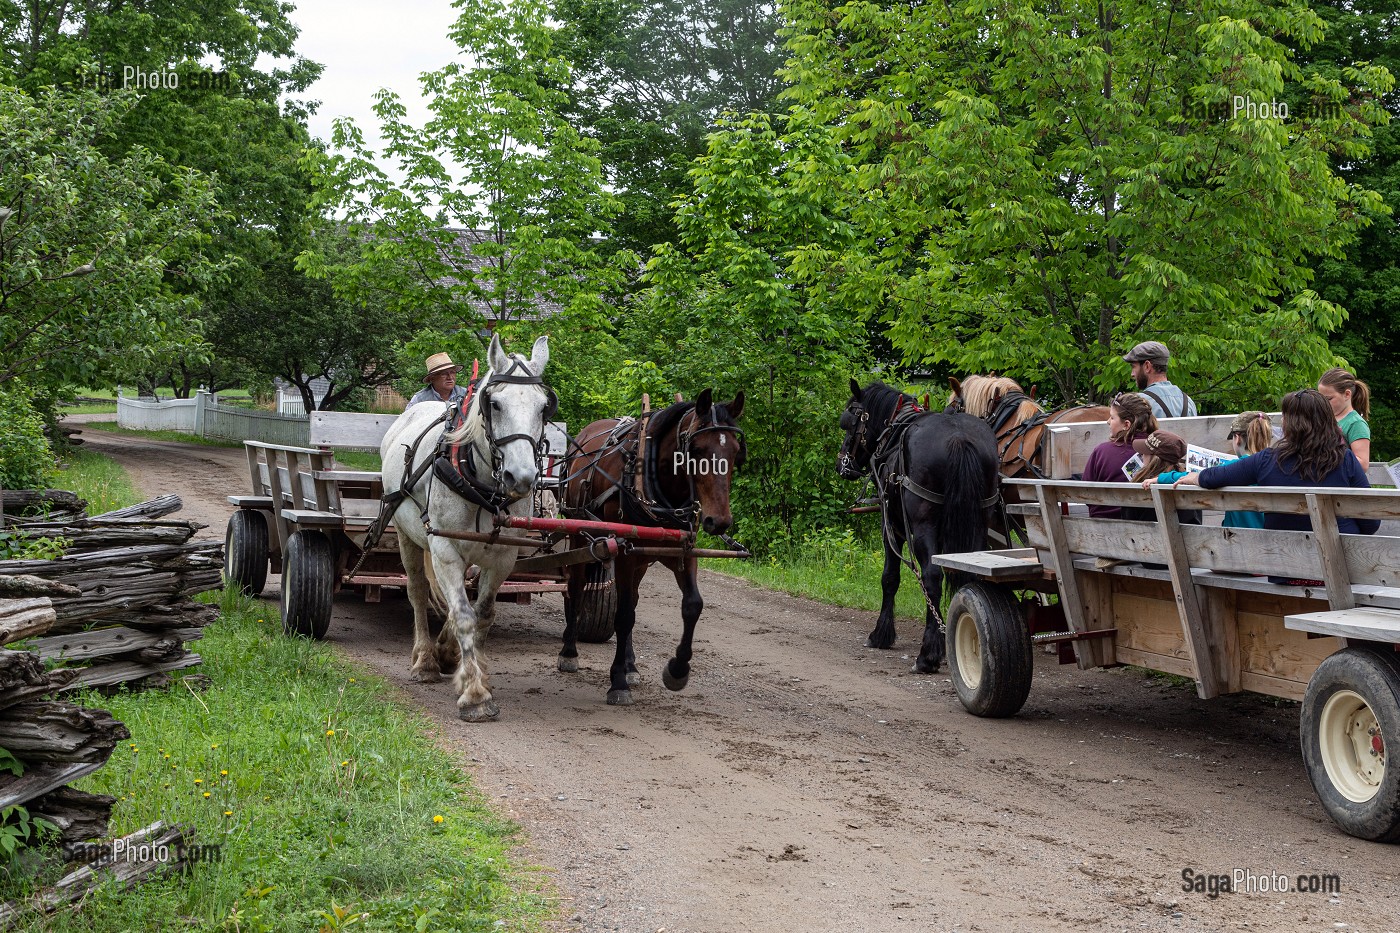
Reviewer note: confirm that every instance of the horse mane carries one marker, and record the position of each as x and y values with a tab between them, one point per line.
979	391
881	401
473	426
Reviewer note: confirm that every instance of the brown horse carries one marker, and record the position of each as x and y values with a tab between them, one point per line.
666	469
1018	421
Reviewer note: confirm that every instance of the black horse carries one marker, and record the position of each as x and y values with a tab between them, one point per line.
937	476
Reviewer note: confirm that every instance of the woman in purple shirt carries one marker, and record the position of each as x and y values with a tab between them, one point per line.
1129	418
1313	452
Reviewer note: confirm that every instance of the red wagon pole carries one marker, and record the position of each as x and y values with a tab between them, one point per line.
577	526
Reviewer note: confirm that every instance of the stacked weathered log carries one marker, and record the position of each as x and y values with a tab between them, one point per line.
114	608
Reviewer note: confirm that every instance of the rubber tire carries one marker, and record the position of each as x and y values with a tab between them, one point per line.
1003	646
1374	675
245	552
308	584
596	615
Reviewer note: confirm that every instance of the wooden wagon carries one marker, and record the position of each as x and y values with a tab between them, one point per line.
309	520
1197	601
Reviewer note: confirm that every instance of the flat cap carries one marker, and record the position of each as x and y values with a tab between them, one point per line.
1148	350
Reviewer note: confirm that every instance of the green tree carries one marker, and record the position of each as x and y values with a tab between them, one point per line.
1366	281
649	80
1038	188
750	299
244	130
496	216
92	248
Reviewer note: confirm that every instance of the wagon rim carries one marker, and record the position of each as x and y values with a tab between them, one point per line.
968	651
1353	750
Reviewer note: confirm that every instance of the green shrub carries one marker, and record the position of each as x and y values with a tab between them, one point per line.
26	460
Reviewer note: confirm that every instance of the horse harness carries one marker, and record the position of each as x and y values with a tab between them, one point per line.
889	471
1011	435
640	497
455	464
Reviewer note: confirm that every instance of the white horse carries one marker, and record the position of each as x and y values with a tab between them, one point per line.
503	428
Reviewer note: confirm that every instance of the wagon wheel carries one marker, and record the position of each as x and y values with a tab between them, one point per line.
989	650
245	552
1350	732
596	612
308	583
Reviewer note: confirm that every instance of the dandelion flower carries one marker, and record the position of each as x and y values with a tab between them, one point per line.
330	732
206	795
223	773
352	680
167	757
215	745
437	819
345	762
228	813
199	780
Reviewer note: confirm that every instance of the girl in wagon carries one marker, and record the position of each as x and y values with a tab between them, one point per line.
1250	432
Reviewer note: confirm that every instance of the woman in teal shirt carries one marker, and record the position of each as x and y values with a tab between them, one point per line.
1250	432
1350	399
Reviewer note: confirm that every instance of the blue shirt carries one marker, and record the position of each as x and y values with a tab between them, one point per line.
1178	401
429	394
1264	469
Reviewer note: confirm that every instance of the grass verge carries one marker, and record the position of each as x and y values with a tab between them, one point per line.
358	460
834	568
178	436
97	479
327	801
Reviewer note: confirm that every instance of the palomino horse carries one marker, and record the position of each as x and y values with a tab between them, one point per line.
936	475
666	469
496	453
1016	419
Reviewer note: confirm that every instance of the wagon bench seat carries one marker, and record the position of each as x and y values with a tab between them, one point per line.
1208	611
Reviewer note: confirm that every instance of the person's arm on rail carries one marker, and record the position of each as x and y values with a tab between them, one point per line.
1241	472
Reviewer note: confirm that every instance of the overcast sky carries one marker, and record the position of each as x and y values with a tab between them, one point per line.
366	46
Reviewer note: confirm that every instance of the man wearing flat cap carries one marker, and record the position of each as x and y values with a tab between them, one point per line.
1149	363
441	381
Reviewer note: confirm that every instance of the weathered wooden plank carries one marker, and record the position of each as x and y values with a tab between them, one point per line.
1097	593
121	871
1367	624
1070	597
1270	649
1193	624
14	501
40	779
122	671
151	508
350	476
1181	667
1223	636
1117	539
79	816
28	585
1329	547
349	430
22	618
52	730
106	642
1012	563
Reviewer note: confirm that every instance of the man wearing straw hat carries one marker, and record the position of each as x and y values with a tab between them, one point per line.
441	382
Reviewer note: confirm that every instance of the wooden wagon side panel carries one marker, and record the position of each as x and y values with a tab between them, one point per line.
1277	660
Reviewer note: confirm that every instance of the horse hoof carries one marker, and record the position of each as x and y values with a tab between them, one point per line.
633	678
480	712
620	698
426	675
568	665
882	644
673	683
923	667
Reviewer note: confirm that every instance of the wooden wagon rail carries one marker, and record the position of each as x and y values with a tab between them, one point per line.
1204	613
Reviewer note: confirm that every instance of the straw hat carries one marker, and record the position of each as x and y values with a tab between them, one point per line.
439	362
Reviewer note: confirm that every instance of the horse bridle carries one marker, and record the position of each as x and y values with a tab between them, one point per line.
495	445
684	439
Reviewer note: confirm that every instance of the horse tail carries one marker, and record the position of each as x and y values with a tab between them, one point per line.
434	589
963	519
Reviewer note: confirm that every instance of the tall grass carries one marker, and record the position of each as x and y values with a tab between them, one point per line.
320	789
97	479
833	567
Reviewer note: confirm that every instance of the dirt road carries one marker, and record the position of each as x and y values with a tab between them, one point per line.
804	783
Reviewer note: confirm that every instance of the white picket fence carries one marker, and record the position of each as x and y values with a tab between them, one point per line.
203	416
